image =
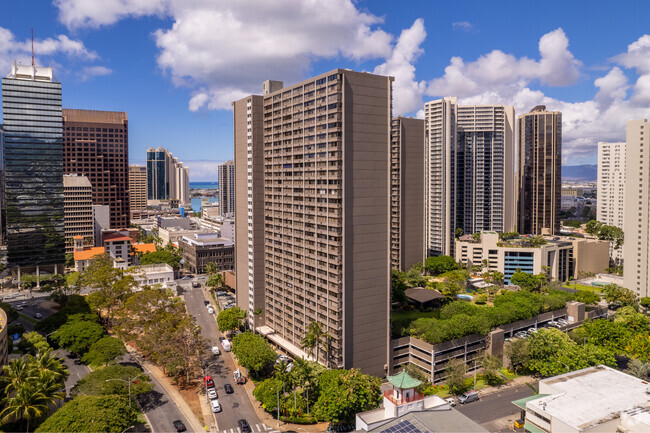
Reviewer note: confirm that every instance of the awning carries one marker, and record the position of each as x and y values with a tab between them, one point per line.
532	428
522	401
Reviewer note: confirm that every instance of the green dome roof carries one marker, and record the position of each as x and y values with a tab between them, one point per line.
402	380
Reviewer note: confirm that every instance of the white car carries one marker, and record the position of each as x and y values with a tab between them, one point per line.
212	393
215	350
451	401
210	310
19	307
226	345
562	322
216	407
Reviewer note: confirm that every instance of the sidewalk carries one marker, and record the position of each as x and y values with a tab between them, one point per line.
263	415
522	380
161	377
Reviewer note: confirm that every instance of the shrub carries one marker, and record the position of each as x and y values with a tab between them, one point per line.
480	299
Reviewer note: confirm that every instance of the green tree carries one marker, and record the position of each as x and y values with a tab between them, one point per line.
344	393
638	368
253	352
113	286
69	260
645	301
440	264
230	319
90	413
415	278
398	286
15	375
104	381
458	232
615	293
35	342
455	282
491	365
78	336
587	297
210	268
266	392
11	312
47	368
104	350
30	403
593	227
173	259
315	338
215	280
526	281
518	353
455	380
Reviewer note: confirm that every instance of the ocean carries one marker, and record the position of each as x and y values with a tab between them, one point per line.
204	185
196	203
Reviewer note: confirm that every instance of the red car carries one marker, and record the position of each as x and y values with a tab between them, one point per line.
209	383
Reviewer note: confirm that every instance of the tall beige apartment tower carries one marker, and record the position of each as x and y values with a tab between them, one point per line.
137	187
326	214
226	173
636	249
540	171
611	189
77	210
469	171
406	192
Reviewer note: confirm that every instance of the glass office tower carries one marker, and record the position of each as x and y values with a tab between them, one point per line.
32	157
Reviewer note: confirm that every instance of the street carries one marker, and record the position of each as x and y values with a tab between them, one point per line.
495	411
234	406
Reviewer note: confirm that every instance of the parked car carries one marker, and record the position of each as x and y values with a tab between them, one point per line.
615	305
221	293
209	383
284	358
228	388
238	377
216	407
196	284
244	427
38	315
468	397
206	303
451	401
215	350
563	322
532	330
229	306
212	393
23	303
179	426
210	310
221	339
19	307
521	334
226	345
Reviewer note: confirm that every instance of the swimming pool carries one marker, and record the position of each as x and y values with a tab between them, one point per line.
465	297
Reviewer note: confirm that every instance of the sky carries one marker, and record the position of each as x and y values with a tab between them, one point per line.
175	66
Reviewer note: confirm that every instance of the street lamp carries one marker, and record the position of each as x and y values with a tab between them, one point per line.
127	428
129	382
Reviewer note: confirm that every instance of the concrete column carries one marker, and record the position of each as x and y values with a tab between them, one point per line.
575	311
38	277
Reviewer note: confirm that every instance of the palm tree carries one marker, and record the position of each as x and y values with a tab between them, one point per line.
48	367
16	374
639	369
210	268
281	371
314	338
30	402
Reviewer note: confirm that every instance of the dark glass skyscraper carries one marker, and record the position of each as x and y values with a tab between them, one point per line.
157	179
32	157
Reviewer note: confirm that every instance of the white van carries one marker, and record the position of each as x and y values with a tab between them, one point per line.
215	350
226	345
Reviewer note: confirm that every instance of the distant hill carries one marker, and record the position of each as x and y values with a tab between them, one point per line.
580	172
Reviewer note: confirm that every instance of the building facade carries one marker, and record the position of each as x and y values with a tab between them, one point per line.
636	219
326	215
469	171
137	188
540	171
200	249
96	145
226	173
248	120
406	192
611	189
32	210
77	210
167	177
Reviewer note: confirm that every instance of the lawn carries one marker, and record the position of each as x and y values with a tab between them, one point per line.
588	288
507	373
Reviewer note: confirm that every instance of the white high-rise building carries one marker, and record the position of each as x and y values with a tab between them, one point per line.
226	173
470	171
611	189
167	177
636	249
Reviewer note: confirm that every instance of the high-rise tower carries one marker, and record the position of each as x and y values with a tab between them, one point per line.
226	172
611	189
32	210
540	171
470	169
96	145
167	178
137	187
326	216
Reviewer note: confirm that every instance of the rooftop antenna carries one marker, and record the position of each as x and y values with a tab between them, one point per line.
32	46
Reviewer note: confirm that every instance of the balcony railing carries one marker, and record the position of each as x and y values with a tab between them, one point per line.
399	401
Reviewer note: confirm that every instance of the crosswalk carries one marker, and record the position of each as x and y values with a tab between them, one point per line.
256	428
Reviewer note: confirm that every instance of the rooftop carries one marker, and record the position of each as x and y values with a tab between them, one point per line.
74	180
144	248
403	380
431	421
89	253
588	397
94	116
422	295
116	237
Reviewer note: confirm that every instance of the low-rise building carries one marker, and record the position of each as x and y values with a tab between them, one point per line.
560	257
150	275
174	234
200	249
595	399
405	409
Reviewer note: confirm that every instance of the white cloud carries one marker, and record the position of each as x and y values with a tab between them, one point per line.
225	49
94	71
462	25
499	78
44	50
407	91
202	170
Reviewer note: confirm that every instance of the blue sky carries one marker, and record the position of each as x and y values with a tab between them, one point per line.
175	65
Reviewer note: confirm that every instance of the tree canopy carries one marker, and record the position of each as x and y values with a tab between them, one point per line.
440	264
104	350
78	335
344	393
527	281
230	319
162	256
253	352
91	413
95	383
606	232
